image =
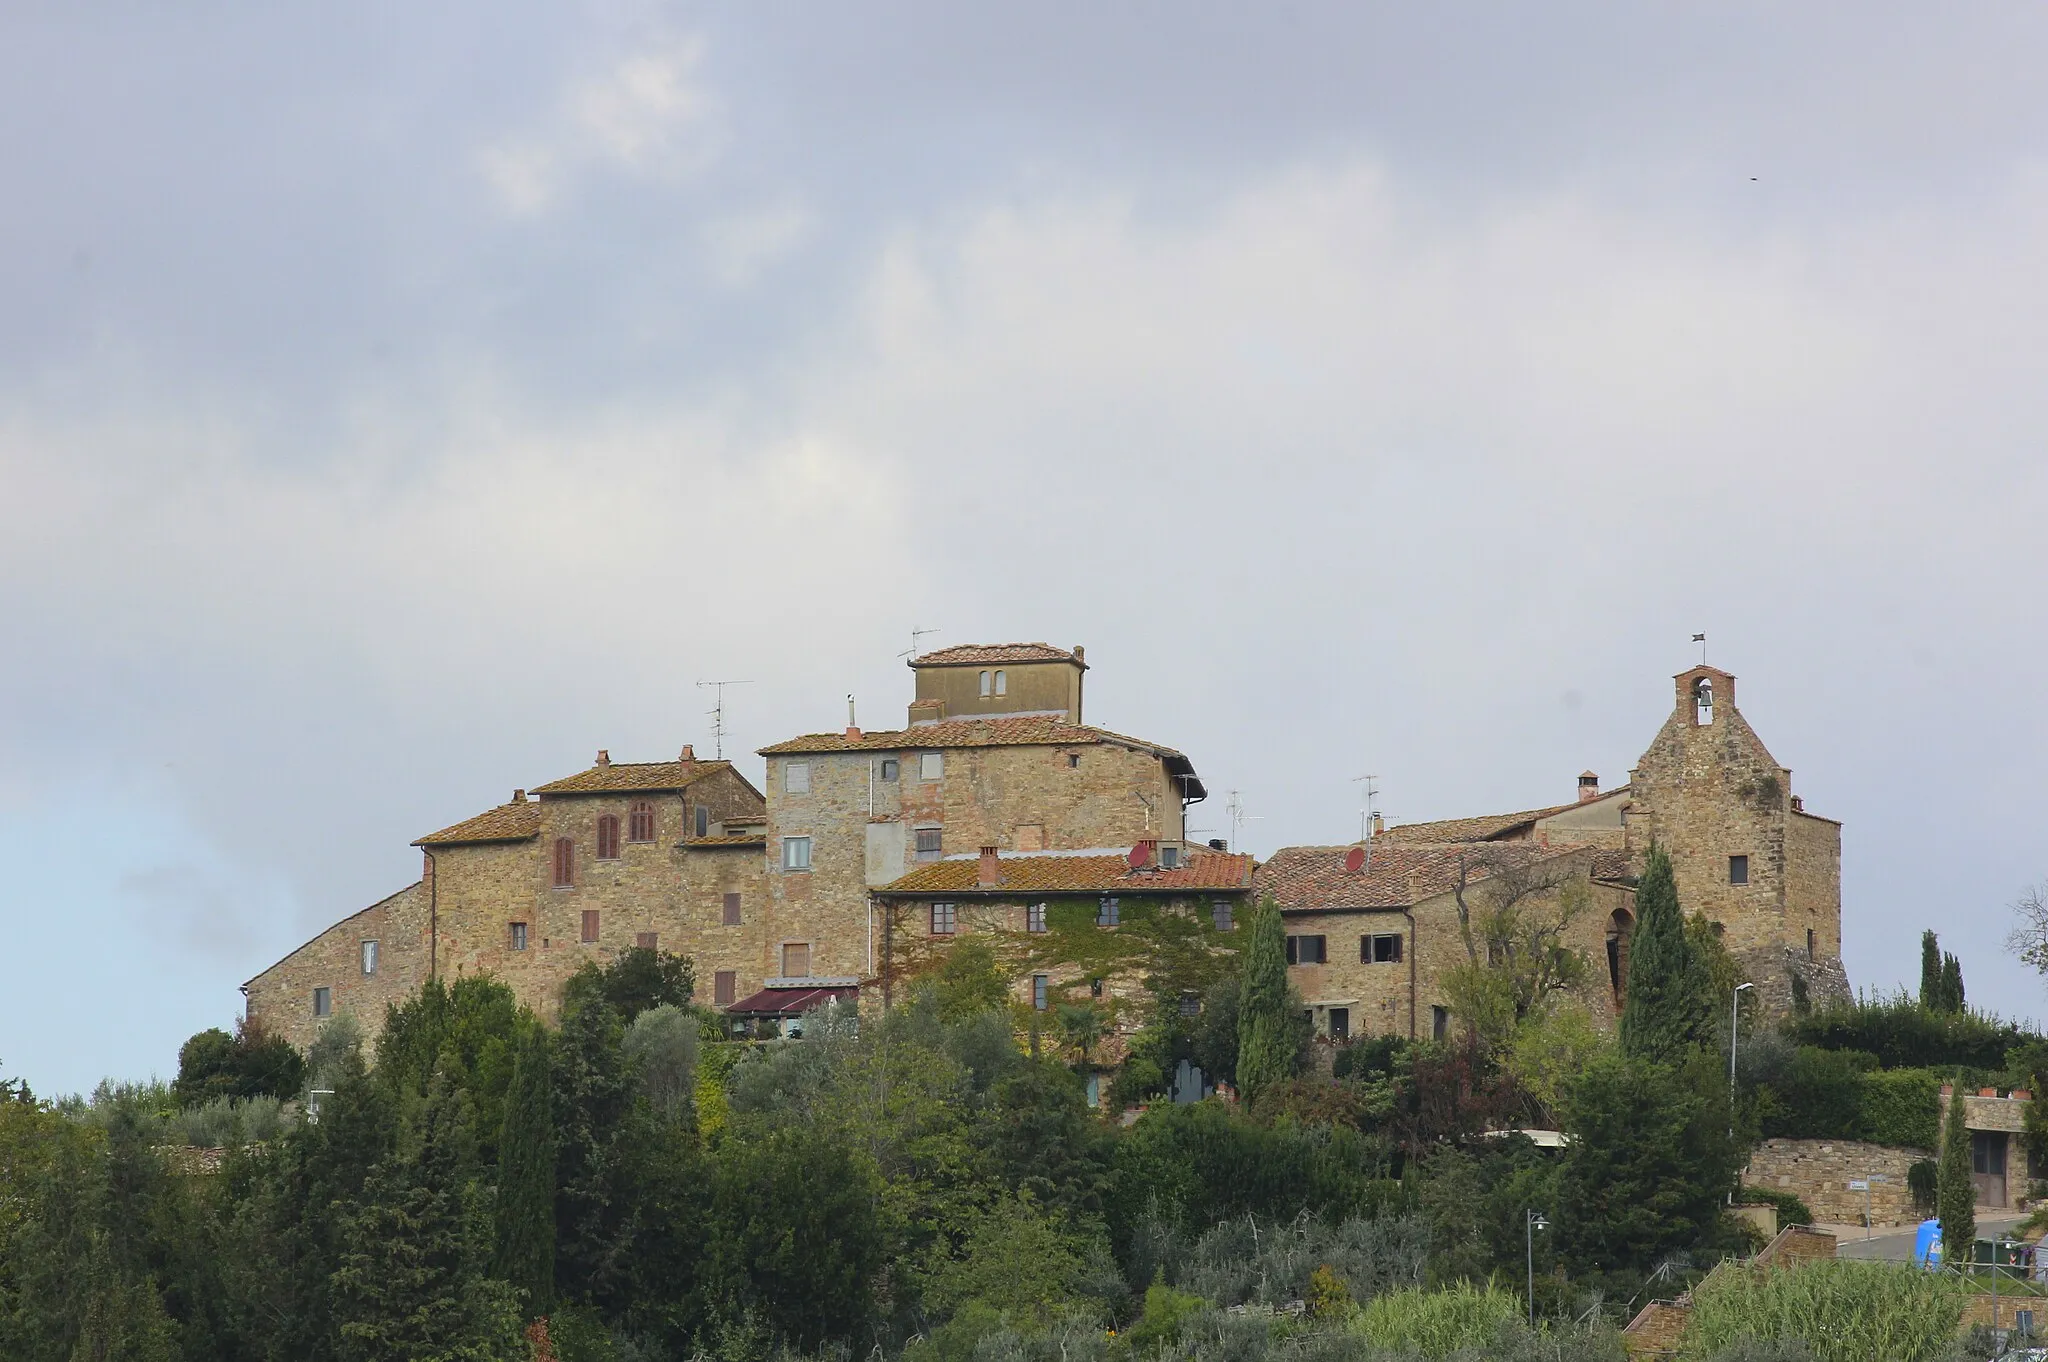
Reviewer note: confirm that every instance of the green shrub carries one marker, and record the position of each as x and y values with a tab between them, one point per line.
1439	1323
1901	1107
1903	1035
1791	1210
1843	1310
1818	1096
1922	1181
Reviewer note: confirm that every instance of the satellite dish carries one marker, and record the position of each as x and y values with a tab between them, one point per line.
1354	860
1141	854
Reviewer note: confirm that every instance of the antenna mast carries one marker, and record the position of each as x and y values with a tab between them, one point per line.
1238	817
916	634
1372	793
717	712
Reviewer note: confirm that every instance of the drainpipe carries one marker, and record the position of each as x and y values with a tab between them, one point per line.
433	914
1409	913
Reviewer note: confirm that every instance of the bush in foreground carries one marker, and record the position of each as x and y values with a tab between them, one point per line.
1842	1311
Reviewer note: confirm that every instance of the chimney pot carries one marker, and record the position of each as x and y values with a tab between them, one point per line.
604	758
519	796
1218	844
689	752
1379	825
990	872
1589	786
1080	653
852	733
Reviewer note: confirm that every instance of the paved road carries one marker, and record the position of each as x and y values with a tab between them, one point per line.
1896	1245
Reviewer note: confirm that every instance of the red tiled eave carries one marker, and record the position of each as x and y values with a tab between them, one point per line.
1058	873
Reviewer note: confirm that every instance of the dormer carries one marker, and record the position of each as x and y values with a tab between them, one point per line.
1702	692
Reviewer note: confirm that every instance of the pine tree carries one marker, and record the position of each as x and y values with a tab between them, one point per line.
1265	1052
526	1175
1951	984
1955	1194
1669	1005
1930	972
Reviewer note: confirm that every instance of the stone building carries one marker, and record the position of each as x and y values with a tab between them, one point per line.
1743	849
663	854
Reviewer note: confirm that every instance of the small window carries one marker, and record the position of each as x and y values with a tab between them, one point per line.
589	925
796	778
565	863
1738	870
1073	760
323	1002
1220	913
796	960
1108	913
796	853
1382	948
1340	1023
370	956
732	911
516	935
1041	988
1439	1023
725	987
703	820
930	842
944	919
640	823
984	685
1169	858
1307	950
608	837
1034	917
646	941
931	765
1809	943
891	768
1002	683
1191	1004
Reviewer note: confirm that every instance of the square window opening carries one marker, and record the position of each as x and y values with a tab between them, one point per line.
1034	917
944	919
931	766
796	777
796	853
1108	913
1738	870
323	1002
1221	914
1307	950
930	843
1340	1023
516	935
891	768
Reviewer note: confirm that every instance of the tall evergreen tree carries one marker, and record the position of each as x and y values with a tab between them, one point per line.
413	1281
1265	1046
526	1175
1930	972
1669	1005
1955	1194
1951	984
593	1097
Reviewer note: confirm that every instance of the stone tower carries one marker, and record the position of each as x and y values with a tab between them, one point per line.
1743	848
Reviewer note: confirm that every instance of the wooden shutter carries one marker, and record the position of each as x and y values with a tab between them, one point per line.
732	910
608	837
725	987
642	829
796	960
589	924
646	941
565	862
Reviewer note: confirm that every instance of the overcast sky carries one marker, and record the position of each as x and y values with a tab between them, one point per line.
399	403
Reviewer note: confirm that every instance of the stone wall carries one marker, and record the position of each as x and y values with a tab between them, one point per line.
281	998
1819	1172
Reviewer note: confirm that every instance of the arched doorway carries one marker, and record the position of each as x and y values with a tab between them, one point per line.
1621	925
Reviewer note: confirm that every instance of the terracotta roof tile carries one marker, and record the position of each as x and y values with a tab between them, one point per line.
1059	872
1398	876
731	840
621	776
1484	828
968	654
1018	730
506	823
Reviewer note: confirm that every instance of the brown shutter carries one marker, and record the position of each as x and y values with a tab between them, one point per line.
732	910
565	862
590	924
724	987
646	941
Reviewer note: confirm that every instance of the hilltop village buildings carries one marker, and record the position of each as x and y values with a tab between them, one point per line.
997	813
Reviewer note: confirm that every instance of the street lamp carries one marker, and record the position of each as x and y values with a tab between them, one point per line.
1734	1015
1533	1221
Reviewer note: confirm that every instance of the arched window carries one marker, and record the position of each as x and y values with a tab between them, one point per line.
1620	927
565	863
1002	683
608	837
1703	701
642	827
984	685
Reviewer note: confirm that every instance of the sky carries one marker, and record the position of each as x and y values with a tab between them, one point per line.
399	403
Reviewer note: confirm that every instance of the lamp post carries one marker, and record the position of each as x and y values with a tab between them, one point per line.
1533	1221
1734	1017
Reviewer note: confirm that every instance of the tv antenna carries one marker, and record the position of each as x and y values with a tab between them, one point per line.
1238	817
1365	813
717	712
916	634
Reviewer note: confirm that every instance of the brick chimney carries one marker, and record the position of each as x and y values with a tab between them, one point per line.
519	796
852	733
1589	787
989	873
604	758
689	753
927	711
1379	825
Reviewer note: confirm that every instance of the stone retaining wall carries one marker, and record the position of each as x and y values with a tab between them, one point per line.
1819	1172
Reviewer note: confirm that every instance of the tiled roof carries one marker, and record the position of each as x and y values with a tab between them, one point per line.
1612	863
1484	828
1058	872
968	654
1017	730
730	840
506	823
1398	876
622	776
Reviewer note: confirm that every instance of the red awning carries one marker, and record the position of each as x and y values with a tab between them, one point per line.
789	1002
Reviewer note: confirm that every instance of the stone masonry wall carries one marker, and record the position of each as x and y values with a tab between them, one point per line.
1819	1172
281	998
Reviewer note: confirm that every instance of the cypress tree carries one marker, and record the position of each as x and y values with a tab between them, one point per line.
526	1175
1670	1000
1955	1194
1951	984
1265	1052
1930	972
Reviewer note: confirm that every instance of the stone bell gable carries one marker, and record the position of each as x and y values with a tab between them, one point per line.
1743	848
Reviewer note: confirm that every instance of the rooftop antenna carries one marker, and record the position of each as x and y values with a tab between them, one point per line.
1238	817
1701	639
1372	792
717	712
916	634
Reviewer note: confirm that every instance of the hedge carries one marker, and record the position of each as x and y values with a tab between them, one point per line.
1904	1035
1835	1095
